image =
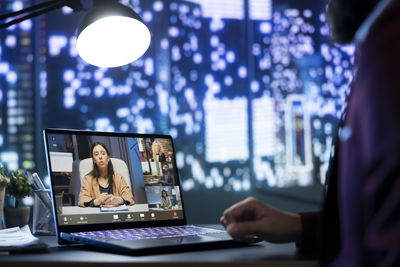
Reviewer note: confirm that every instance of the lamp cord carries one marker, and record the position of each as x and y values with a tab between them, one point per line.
29	9
42	8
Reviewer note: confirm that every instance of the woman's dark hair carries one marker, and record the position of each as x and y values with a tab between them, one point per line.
110	169
346	16
166	193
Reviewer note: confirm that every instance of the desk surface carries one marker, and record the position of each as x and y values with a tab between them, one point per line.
75	210
261	254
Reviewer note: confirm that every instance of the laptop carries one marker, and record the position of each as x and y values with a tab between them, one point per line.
141	212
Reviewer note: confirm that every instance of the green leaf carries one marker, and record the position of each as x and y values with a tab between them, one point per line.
19	186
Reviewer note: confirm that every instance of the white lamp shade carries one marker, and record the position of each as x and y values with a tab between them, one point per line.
113	41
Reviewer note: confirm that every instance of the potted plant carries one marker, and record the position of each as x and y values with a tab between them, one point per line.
3	183
18	188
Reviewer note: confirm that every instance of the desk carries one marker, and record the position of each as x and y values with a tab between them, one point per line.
261	254
76	210
174	208
152	180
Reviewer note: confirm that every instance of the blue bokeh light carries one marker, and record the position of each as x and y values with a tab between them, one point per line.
228	86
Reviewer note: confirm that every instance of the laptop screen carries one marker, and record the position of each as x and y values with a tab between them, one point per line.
102	178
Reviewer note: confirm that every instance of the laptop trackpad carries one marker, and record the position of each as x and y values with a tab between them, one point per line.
163	242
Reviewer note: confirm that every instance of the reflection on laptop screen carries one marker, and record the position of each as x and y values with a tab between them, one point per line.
111	179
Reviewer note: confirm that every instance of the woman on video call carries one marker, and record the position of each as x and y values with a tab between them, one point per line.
165	202
158	153
103	186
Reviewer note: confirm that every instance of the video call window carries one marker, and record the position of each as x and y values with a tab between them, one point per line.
164	198
156	156
144	174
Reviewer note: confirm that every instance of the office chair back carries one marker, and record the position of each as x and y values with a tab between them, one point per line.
86	166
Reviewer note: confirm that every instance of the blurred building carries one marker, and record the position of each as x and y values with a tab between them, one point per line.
251	90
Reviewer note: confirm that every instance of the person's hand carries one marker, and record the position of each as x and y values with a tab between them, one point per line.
251	218
113	200
101	199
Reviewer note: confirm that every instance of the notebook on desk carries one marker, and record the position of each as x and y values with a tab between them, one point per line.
120	191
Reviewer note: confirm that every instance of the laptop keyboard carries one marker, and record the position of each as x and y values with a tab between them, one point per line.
148	233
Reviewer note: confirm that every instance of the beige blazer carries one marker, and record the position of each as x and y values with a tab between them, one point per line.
90	189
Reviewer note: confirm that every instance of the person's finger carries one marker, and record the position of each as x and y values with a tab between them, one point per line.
223	221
